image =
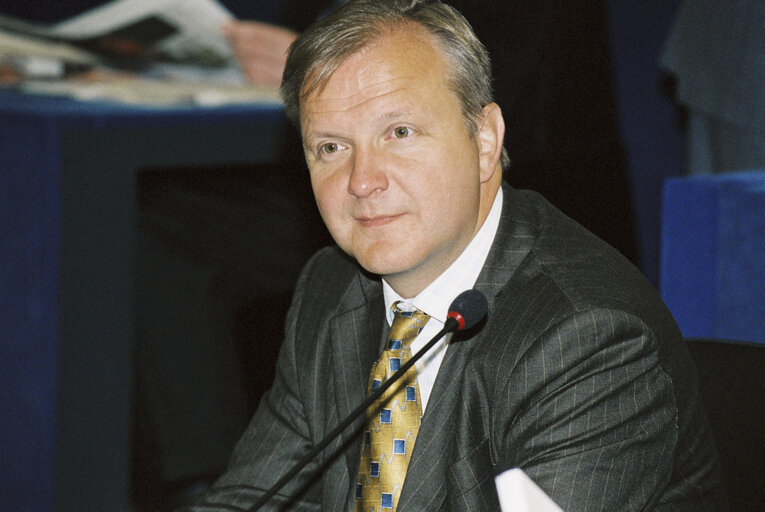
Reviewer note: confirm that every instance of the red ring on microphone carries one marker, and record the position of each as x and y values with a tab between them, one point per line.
460	319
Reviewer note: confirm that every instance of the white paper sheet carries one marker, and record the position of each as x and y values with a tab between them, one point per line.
518	493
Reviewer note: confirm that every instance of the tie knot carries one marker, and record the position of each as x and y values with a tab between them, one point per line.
406	325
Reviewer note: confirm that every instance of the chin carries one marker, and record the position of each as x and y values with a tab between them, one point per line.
379	266
384	261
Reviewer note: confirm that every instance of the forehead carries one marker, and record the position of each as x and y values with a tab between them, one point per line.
395	61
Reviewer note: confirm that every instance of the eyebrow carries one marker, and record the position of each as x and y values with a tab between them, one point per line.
387	116
382	118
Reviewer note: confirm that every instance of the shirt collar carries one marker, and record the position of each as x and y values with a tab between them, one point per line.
460	276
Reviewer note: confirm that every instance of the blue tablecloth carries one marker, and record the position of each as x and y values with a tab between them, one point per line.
67	219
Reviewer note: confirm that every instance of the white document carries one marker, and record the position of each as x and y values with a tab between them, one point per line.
14	45
143	52
518	493
183	30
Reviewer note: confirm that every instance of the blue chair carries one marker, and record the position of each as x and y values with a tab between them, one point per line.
713	255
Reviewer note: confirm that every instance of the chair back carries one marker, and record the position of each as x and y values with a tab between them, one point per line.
732	385
713	254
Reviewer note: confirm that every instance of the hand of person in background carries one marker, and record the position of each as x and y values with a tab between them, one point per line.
260	48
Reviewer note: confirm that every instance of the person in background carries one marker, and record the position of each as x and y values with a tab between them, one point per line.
220	250
716	55
261	49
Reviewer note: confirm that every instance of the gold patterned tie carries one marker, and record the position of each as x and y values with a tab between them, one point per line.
392	427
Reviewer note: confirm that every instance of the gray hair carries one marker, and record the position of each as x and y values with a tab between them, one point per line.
319	51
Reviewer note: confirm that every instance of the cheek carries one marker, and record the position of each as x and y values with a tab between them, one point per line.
328	203
330	200
324	185
447	186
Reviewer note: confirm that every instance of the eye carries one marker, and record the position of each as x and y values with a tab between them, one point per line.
329	147
401	132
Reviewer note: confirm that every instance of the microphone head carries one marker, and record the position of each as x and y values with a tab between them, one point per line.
468	309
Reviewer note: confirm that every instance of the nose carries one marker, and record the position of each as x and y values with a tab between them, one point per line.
367	173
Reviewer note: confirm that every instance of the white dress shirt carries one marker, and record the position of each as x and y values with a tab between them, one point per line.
438	296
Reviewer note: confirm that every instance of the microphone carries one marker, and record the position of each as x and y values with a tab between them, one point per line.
465	312
467	309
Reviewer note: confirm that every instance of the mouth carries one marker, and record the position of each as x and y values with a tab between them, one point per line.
375	221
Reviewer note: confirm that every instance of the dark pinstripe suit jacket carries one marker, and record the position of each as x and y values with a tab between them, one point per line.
578	376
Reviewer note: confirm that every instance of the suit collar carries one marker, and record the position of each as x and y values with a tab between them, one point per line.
518	226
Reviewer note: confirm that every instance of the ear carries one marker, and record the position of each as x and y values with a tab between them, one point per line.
490	137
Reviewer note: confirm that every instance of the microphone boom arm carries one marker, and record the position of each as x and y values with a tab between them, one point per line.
450	325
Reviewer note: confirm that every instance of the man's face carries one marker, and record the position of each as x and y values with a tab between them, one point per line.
396	174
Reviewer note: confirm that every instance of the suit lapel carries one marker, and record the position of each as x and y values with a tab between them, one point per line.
354	340
425	487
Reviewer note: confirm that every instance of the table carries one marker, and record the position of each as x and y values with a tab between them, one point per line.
68	175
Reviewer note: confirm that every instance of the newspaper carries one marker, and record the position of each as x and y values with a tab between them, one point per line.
186	31
138	32
14	45
133	51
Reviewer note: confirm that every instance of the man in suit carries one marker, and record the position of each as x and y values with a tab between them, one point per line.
578	375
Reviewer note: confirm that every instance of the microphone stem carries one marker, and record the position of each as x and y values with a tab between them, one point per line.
450	326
